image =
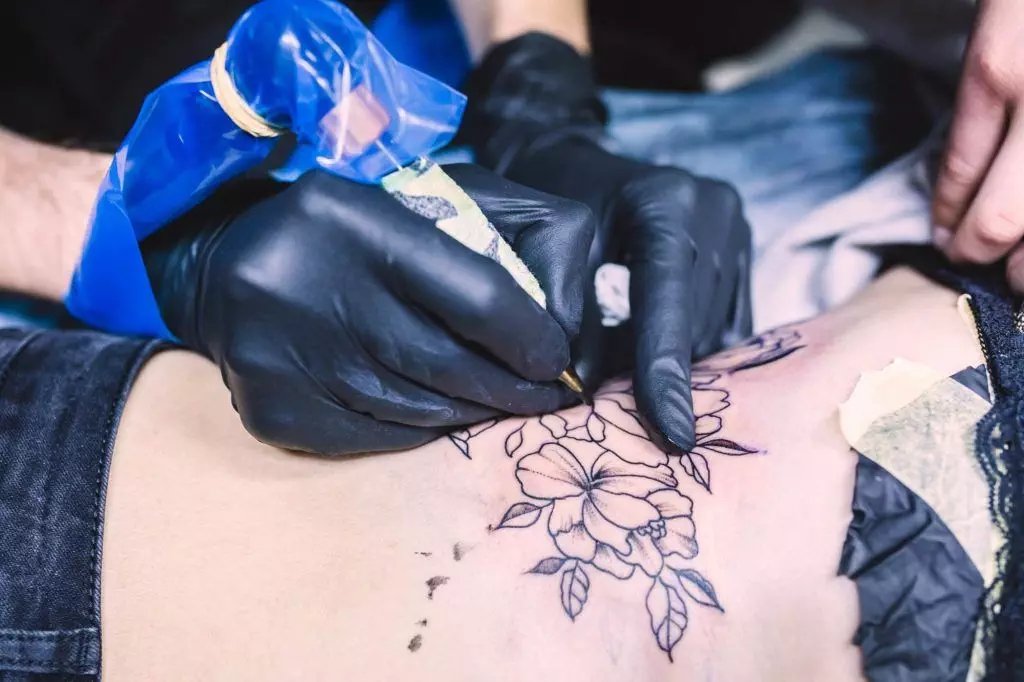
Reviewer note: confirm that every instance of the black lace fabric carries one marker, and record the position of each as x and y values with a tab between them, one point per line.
999	446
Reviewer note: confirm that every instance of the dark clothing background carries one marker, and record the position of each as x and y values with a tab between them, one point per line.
76	72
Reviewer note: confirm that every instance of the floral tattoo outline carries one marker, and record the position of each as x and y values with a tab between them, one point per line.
623	515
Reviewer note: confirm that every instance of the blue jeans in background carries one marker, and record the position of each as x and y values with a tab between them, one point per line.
788	142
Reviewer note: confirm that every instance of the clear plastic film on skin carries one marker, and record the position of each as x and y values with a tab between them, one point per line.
307	67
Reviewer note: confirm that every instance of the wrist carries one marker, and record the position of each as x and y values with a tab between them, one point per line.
486	23
565	20
532	86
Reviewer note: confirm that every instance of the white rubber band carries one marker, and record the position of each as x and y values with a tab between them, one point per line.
230	100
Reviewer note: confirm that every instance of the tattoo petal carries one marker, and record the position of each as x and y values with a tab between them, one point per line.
555	424
579	433
680	538
709	401
625	511
514	441
576	543
608	561
707	425
566	513
671	503
614	474
644	553
603	530
595	427
551	473
619	410
477	429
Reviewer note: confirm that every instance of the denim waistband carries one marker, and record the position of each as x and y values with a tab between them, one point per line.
61	395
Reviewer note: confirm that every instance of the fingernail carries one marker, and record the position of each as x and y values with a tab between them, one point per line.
941	236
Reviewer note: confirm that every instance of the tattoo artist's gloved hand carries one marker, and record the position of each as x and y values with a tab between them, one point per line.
343	322
535	117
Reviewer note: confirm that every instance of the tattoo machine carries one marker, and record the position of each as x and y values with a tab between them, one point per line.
304	68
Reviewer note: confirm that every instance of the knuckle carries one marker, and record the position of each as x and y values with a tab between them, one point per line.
997	228
266	425
668	369
236	361
481	300
996	70
575	215
682	187
314	192
726	197
957	171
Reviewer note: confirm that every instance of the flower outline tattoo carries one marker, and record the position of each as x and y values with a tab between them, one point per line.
610	500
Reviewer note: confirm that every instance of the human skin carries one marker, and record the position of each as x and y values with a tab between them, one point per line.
46	195
225	559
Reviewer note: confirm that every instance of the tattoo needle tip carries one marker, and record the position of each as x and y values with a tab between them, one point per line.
575	384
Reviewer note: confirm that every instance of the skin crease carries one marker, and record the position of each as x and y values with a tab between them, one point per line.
224	559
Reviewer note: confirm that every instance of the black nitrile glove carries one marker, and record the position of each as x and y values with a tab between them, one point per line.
534	116
343	322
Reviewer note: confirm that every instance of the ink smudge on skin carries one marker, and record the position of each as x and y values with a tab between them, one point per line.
459	550
425	554
422	623
435	583
415	643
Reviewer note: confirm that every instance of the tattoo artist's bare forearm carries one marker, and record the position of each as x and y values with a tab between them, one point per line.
488	22
46	195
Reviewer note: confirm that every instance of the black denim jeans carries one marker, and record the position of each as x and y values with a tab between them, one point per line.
61	396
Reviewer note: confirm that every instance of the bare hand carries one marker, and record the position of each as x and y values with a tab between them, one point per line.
978	208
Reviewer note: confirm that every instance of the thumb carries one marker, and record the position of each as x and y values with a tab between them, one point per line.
177	256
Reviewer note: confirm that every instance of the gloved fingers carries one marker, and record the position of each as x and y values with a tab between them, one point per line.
550	234
481	302
740	323
590	348
414	346
363	384
711	224
343	371
661	300
317	424
174	256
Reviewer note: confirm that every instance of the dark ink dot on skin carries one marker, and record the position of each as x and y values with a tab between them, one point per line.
422	623
415	643
425	554
435	583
